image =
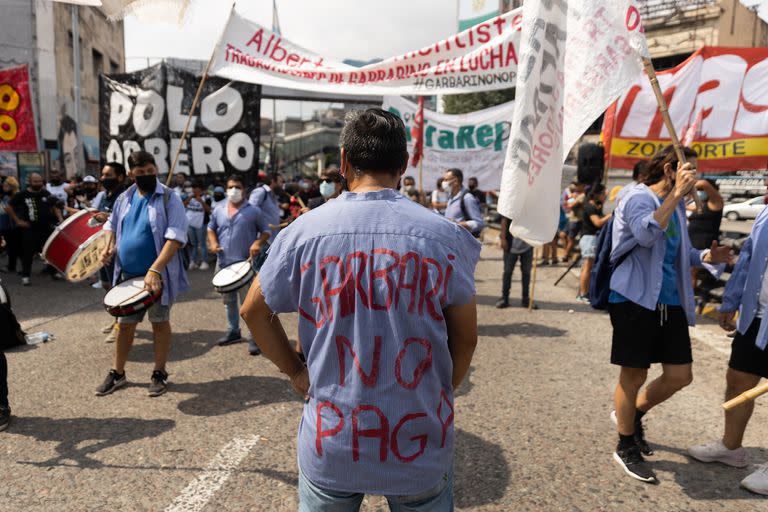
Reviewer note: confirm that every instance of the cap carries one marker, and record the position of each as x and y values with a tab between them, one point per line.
220	190
90	179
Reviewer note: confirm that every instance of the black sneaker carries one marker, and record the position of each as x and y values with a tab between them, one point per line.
502	303
5	418
632	462
253	348
159	383
645	448
113	381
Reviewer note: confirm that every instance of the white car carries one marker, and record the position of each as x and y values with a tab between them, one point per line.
746	210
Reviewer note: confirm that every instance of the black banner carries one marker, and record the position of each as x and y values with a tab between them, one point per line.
148	109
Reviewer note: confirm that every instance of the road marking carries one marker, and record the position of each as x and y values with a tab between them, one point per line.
718	342
199	492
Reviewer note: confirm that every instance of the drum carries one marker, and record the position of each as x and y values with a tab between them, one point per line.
129	297
75	246
233	277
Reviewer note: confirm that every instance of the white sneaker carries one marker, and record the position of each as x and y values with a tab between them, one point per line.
757	482
717	452
204	266
25	281
192	266
614	419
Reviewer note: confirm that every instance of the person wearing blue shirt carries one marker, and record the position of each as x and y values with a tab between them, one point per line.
747	293
265	199
385	293
463	208
651	300
147	227
236	232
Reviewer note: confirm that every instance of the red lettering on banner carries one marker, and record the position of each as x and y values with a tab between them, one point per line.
422	439
320	433
369	379
382	273
499	22
256	39
448	419
483	33
413	284
382	433
633	19
421	368
428	294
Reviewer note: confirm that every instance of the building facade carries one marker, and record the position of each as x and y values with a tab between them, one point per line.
39	33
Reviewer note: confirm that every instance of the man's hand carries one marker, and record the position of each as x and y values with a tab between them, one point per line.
24	224
153	283
726	320
300	383
214	249
718	254
685	180
107	254
101	217
255	248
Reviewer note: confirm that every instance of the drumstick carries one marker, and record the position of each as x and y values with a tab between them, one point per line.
746	396
122	302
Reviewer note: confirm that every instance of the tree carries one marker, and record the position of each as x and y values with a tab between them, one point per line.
464	103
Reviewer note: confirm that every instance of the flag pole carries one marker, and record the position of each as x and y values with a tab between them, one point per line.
533	279
648	65
746	396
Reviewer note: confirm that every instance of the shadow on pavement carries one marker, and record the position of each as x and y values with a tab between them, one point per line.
708	481
524	329
233	395
79	438
482	472
184	345
544	305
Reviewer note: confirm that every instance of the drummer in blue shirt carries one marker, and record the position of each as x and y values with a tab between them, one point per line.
237	231
147	227
264	199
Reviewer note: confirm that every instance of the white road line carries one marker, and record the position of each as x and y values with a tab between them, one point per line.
198	493
718	342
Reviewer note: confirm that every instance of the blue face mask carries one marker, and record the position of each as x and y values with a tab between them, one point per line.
327	189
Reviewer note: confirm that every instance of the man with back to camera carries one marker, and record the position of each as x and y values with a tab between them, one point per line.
388	323
265	199
463	207
148	226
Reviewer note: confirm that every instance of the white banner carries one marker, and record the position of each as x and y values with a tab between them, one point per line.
482	58
576	58
156	11
475	143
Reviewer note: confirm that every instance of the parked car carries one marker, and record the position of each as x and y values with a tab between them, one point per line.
746	210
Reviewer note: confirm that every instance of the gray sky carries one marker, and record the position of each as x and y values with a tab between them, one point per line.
341	29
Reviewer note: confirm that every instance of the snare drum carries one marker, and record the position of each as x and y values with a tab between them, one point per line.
233	277
129	297
75	246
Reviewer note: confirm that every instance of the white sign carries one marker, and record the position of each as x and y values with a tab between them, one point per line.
482	58
576	58
476	142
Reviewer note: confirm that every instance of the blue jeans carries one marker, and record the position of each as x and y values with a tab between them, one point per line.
198	250
232	301
316	499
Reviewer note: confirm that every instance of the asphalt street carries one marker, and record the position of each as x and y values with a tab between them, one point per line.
532	419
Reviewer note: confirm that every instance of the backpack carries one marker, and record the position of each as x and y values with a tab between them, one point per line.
600	277
465	214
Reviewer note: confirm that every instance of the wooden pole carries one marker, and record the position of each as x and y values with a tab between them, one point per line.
746	396
533	278
648	65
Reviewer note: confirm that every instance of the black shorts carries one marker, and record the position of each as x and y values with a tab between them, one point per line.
746	356
574	228
641	338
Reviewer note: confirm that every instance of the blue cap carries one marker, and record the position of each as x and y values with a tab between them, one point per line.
218	189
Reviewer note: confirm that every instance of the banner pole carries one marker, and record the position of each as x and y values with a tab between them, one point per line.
533	279
648	65
421	184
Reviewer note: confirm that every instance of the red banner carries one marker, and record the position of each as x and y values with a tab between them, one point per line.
721	92
17	121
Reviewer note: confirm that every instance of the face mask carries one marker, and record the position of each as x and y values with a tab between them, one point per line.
188	191
327	189
218	196
109	183
235	195
410	188
445	186
146	183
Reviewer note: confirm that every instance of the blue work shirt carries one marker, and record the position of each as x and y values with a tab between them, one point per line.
265	201
669	295
136	247
168	222
639	277
454	212
370	275
742	291
236	234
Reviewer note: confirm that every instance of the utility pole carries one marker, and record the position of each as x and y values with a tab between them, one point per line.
75	13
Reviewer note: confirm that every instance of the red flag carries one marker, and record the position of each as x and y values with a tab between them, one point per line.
417	134
693	131
17	123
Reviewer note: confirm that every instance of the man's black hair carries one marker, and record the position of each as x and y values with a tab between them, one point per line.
237	178
409	178
456	173
639	170
272	177
374	141
140	159
472	179
117	167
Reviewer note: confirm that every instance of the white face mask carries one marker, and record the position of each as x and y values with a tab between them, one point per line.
235	195
445	186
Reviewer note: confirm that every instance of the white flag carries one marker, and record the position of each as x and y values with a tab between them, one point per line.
150	11
576	58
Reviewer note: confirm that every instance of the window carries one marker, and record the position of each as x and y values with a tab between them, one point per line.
113	67
97	61
71	60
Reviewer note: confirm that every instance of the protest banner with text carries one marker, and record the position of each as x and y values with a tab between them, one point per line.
481	58
723	88
576	58
148	109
